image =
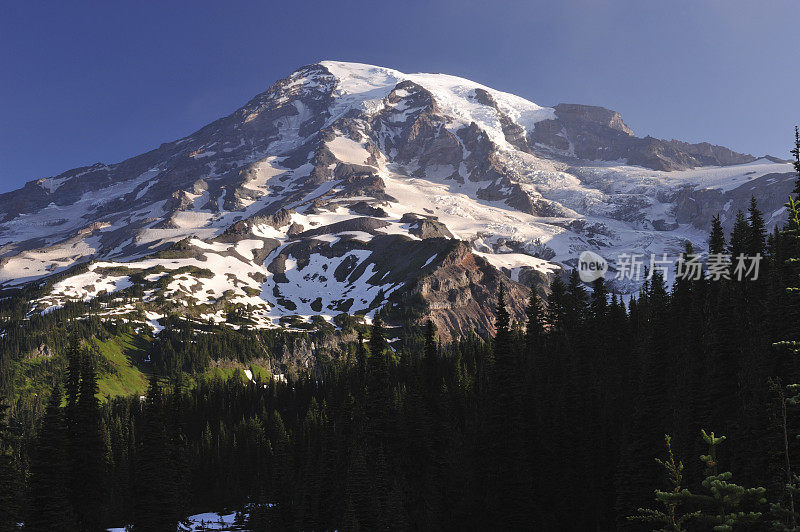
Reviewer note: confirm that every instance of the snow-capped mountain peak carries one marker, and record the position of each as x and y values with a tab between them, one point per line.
345	187
365	87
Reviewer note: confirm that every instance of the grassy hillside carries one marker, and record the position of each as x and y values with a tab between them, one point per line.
119	369
118	374
224	370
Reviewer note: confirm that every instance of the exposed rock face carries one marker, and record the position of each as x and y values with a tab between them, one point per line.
425	226
347	187
43	351
461	294
699	206
575	114
596	133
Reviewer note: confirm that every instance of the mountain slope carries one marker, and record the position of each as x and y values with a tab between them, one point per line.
345	187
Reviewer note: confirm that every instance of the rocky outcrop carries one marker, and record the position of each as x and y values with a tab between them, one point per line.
425	226
596	133
513	132
698	206
461	293
43	351
574	114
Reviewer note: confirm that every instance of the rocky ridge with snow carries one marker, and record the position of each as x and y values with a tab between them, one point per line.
346	187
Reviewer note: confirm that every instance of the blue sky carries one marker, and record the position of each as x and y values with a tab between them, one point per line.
84	82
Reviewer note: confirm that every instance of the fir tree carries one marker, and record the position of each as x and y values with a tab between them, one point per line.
796	152
723	505
740	236
397	517
73	375
672	517
785	517
724	501
792	232
379	389
155	483
504	363
178	446
556	305
655	387
716	244
90	459
361	361
9	488
598	304
72	384
757	233
534	327
430	363
576	305
503	430
350	519
503	321
48	506
360	492
282	471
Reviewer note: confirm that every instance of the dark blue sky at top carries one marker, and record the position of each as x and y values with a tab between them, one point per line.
82	82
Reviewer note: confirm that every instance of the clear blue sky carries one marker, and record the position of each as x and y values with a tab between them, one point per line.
82	82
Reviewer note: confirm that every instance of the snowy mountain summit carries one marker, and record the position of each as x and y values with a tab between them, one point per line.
347	187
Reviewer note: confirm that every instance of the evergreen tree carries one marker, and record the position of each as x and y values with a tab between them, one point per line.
716	244
90	459
72	384
534	328
503	431
379	388
672	518
786	517
350	519
740	236
9	503
178	447
576	306
757	233
430	364
598	304
359	491
48	506
723	505
637	470
361	361
556	305
796	152
73	375
724	501
792	232
155	484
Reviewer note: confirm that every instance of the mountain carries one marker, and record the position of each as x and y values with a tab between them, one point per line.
346	187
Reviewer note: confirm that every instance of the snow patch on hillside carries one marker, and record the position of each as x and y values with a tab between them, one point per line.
201	522
348	151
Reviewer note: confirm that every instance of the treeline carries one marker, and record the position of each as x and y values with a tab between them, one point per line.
552	424
182	346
